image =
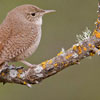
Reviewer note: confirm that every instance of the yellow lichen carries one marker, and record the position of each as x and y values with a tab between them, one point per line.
74	47
60	53
65	65
62	62
93	46
91	54
79	50
90	45
97	35
95	32
3	74
50	61
20	71
68	56
98	21
43	64
18	75
84	48
24	83
55	64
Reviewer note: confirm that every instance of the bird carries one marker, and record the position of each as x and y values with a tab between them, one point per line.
20	33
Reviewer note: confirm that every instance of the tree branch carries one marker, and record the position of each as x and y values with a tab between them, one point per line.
87	46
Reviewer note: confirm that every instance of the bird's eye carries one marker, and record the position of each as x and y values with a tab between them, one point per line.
33	14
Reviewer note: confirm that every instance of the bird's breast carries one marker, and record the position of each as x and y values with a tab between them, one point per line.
33	45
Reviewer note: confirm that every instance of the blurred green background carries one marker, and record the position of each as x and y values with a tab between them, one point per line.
79	82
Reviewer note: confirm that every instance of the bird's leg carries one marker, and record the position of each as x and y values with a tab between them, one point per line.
27	63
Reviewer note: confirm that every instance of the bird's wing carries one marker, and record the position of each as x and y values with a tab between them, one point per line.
4	34
14	46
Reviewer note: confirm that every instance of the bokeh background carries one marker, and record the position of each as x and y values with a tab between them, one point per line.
78	82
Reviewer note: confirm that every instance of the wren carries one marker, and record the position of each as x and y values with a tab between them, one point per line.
20	33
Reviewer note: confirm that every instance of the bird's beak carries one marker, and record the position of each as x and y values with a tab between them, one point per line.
47	11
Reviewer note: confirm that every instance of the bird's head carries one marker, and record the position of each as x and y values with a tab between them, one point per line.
29	13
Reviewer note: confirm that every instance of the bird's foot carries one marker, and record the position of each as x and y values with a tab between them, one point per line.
32	66
28	64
